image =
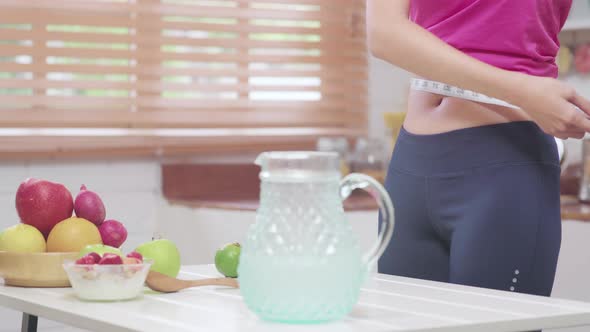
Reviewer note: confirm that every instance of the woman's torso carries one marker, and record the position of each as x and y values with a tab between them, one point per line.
517	35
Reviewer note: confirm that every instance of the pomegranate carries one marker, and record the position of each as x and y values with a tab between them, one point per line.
89	206
42	204
113	233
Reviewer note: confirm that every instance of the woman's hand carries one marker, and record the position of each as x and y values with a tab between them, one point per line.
555	106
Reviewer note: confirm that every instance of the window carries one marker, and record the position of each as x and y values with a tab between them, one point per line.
173	76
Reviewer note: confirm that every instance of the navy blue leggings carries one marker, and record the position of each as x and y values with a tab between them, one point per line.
477	206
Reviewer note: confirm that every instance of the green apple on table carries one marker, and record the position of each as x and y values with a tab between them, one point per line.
227	260
165	255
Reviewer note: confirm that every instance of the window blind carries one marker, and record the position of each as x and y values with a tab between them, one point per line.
102	75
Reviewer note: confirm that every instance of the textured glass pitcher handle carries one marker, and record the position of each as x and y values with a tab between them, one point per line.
360	181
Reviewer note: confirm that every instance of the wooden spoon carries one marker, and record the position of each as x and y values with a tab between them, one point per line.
165	284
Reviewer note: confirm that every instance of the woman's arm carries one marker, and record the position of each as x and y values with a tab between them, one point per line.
395	39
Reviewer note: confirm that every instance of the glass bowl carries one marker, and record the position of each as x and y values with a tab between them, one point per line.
107	282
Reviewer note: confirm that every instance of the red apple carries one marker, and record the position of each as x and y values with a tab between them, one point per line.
42	204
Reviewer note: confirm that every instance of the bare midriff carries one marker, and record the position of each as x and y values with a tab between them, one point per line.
430	113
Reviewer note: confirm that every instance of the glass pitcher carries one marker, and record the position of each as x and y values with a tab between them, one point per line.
301	262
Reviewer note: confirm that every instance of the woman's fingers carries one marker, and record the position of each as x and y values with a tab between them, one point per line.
570	134
578	121
582	103
575	128
576	134
583	123
573	133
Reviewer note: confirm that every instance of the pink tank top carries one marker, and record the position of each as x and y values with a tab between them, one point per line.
517	35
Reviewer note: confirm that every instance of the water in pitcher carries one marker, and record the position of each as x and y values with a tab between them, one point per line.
301	262
302	289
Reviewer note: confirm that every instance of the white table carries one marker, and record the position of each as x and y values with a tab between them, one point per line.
387	304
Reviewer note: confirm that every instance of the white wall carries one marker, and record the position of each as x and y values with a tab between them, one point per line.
388	86
573	268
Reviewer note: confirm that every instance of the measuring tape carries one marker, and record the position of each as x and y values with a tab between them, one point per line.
453	91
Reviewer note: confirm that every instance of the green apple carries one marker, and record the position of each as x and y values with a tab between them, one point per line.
100	249
22	238
227	260
165	255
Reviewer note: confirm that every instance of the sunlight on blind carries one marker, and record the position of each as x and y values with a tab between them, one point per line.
182	64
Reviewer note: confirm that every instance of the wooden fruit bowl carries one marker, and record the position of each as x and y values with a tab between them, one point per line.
35	269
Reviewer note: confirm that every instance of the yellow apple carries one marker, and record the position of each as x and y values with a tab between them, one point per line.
22	238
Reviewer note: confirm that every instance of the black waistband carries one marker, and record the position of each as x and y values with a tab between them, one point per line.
458	150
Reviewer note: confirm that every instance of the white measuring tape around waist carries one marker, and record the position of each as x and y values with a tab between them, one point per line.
453	91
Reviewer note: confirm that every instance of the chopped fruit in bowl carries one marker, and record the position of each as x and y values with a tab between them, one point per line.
108	277
135	254
111	259
87	260
131	260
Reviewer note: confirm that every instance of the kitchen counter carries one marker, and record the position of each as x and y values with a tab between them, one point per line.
228	187
358	201
572	209
236	187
